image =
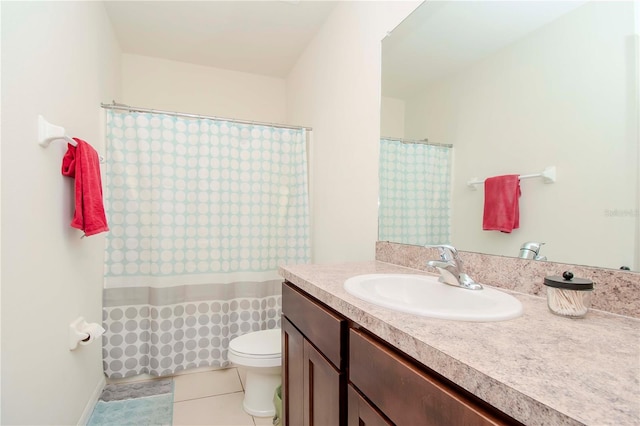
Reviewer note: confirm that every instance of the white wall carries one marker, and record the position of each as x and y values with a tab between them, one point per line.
59	59
335	88
177	86
546	100
392	117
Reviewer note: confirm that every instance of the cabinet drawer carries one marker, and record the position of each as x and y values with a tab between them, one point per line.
409	395
324	328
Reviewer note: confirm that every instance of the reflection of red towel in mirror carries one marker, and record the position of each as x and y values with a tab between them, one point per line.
82	163
501	203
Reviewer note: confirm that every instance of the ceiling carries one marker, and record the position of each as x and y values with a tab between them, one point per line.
267	37
258	37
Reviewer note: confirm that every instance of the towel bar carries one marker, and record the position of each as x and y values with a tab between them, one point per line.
48	133
548	175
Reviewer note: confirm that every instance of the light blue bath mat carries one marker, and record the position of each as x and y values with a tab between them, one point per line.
145	403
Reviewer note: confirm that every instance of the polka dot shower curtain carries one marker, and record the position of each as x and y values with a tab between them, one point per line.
415	193
202	212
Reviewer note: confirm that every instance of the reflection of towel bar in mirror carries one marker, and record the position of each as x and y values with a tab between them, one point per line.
48	133
548	175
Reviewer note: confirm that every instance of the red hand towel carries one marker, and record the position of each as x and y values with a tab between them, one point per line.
501	203
83	164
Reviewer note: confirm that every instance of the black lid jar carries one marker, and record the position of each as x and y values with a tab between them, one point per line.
568	296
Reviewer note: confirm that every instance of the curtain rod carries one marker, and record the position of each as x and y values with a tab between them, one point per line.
423	142
118	106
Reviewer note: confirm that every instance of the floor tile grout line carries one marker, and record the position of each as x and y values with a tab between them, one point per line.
207	396
240	379
229	389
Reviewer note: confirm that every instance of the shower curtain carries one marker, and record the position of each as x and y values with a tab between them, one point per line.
202	212
415	193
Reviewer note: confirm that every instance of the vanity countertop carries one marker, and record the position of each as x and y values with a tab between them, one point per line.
540	368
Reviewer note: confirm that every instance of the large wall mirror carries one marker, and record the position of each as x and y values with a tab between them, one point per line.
517	87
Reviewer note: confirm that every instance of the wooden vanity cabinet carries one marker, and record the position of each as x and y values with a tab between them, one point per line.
314	362
410	394
335	373
361	413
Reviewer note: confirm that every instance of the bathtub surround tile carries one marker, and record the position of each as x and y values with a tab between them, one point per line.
221	410
615	291
206	384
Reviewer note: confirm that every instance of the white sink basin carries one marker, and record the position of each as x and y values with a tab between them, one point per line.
425	295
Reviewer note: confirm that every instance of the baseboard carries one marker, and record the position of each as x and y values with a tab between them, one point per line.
93	400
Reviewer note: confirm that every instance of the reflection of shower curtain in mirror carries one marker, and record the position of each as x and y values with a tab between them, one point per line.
202	212
415	193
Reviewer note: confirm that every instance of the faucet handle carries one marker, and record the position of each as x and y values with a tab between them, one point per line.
447	252
531	250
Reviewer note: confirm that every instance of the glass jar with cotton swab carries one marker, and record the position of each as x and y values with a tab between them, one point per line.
568	296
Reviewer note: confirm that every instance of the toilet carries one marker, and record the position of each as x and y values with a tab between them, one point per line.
260	354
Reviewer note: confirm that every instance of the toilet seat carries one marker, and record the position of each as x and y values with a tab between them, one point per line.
257	349
258	344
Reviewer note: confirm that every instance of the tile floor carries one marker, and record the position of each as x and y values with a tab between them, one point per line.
212	397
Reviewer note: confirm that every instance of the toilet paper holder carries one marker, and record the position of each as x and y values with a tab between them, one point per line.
82	332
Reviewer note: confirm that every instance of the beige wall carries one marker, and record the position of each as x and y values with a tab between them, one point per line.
392	118
546	100
59	59
335	88
178	86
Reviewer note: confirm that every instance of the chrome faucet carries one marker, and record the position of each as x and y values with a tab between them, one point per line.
531	250
451	268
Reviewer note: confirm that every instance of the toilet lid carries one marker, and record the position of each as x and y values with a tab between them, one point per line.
258	343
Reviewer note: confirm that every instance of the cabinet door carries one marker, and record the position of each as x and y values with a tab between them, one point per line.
323	390
410	395
361	413
292	375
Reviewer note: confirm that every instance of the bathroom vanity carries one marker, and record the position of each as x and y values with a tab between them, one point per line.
348	362
336	373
